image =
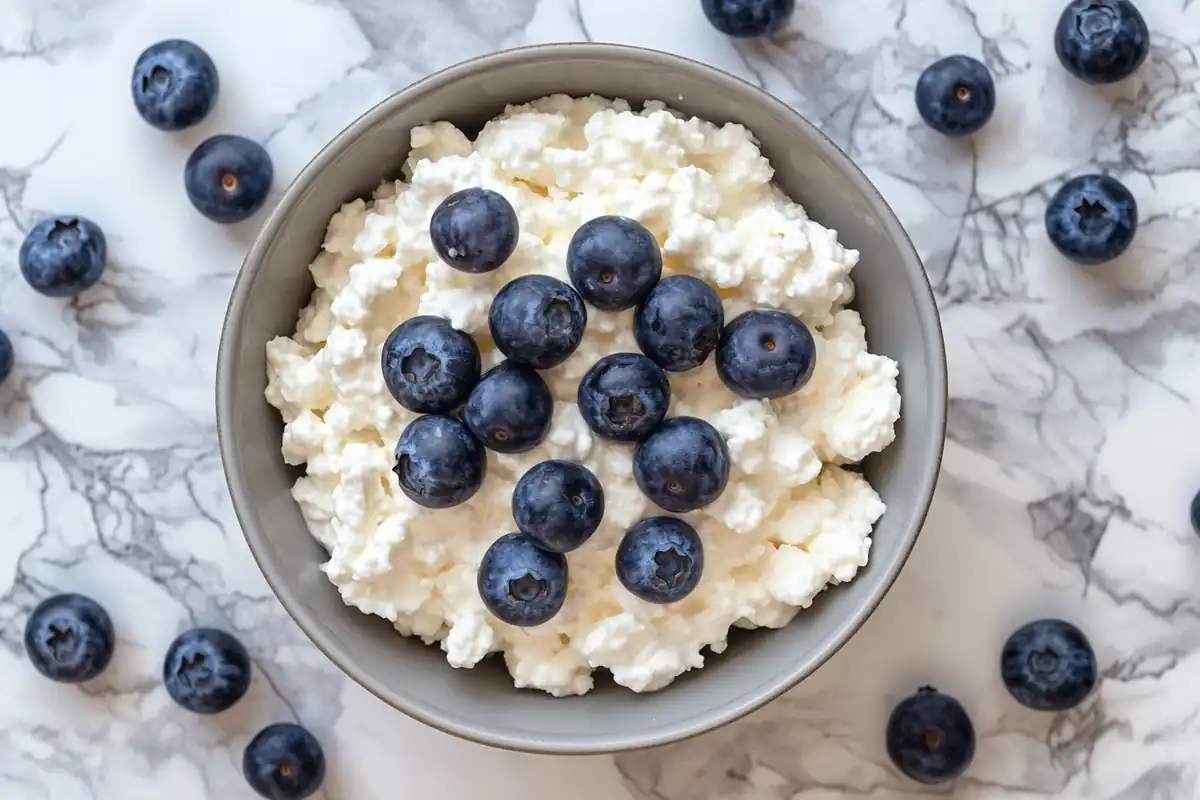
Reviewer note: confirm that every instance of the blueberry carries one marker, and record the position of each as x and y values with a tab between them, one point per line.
559	504
284	762
683	465
766	353
228	178
748	18
509	410
537	320
930	738
7	358
1101	41
474	230
69	638
63	256
956	95
660	560
174	85
613	262
1195	509
439	463
679	322
1048	665
1092	219
206	670
521	583
429	366
623	397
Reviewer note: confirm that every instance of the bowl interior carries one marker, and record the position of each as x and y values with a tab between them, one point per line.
893	298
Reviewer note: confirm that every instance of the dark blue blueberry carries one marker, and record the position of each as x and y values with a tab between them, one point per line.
1092	219
228	178
930	738
429	366
439	463
7	358
474	230
1048	665
748	18
766	353
69	638
613	262
284	762
1101	41
510	409
956	95
623	397
683	465
63	256
1196	512
206	670
660	560
174	85
537	320
679	323
521	583
558	503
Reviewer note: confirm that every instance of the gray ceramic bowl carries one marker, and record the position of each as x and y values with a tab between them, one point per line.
894	299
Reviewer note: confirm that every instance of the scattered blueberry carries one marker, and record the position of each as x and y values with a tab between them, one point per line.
439	463
930	738
228	178
63	256
679	323
660	559
559	504
429	366
1196	512
510	409
174	85
7	358
748	18
623	397
1092	219
1101	41
766	353
613	262
956	95
521	583
537	320
284	762
1048	665
474	230
69	638
206	670
683	465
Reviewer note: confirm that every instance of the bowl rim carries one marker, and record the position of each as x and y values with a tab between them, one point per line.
929	322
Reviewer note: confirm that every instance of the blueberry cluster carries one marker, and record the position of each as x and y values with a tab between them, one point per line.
1092	218
537	322
227	178
70	638
175	86
1046	665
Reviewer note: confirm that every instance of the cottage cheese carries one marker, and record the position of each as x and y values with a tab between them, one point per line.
791	521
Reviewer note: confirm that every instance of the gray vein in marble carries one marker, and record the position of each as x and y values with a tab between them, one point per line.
576	9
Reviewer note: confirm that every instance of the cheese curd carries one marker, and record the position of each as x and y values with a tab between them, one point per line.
791	521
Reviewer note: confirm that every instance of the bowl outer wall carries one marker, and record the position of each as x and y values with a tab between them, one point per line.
893	296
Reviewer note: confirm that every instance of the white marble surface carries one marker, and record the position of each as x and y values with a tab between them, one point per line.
1067	476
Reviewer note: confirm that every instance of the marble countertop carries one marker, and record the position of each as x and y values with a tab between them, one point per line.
1066	479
